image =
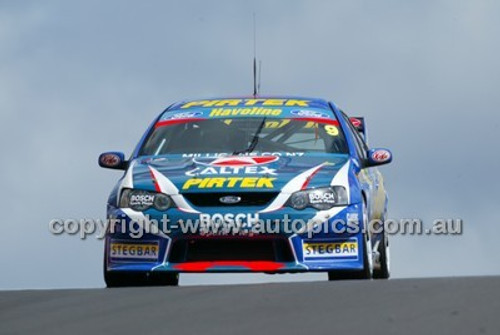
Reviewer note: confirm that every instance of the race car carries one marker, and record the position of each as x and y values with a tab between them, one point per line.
272	184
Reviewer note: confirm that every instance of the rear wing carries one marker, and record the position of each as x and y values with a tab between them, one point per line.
359	123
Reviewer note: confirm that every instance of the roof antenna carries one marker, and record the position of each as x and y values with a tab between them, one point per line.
256	85
258	81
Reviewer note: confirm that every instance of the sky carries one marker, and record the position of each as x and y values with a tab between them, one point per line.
81	77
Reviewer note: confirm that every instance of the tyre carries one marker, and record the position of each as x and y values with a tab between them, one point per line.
139	278
124	279
383	268
163	279
367	271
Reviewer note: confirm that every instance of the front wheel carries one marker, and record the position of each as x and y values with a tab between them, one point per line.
137	279
367	271
383	268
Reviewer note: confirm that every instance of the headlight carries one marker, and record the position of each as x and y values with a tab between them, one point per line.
319	198
140	200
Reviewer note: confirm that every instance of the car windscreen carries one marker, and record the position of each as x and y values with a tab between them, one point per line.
245	135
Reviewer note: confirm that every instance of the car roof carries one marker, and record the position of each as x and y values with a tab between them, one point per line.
313	102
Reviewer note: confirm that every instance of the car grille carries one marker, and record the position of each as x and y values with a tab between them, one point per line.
247	198
225	249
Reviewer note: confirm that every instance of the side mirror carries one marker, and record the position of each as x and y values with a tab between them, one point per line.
113	160
378	156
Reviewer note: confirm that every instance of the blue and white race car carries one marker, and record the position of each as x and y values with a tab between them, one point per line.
250	184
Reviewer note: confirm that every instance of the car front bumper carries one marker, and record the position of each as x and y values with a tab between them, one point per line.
171	248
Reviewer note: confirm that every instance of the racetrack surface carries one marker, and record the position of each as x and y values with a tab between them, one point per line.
402	306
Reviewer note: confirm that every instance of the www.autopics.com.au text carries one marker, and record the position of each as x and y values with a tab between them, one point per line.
250	224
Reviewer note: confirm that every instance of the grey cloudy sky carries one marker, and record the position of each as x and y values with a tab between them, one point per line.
81	77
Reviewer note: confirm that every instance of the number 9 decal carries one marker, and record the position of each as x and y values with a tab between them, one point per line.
331	130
